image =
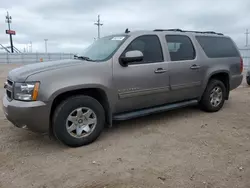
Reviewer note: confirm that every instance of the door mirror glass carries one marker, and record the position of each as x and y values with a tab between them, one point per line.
132	56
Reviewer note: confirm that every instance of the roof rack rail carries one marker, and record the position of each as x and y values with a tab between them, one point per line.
168	30
205	32
179	30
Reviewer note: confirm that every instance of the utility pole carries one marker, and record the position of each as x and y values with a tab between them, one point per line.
247	33
99	24
30	46
45	41
8	21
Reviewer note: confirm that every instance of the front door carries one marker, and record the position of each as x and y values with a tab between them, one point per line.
141	84
184	68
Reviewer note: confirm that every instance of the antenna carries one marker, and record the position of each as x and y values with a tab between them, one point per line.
127	31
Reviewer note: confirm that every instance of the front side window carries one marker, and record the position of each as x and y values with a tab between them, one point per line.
149	45
103	48
180	48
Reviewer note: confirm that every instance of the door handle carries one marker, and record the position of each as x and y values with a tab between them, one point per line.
160	70
195	66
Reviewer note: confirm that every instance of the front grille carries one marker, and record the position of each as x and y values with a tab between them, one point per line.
8	94
9	89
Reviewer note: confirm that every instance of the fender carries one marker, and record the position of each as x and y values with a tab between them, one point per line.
77	87
105	91
209	74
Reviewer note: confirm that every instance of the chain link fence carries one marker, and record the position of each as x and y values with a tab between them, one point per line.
23	58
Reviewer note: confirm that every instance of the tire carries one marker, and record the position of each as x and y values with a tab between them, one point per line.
206	104
248	80
70	111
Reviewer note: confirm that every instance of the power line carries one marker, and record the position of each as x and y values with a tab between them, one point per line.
99	24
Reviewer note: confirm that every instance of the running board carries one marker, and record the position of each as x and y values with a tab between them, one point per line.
148	111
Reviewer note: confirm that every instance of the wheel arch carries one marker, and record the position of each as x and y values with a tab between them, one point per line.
222	75
98	93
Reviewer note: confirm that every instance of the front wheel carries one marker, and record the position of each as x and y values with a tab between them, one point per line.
214	96
78	121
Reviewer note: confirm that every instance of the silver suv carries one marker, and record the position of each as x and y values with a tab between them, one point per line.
120	77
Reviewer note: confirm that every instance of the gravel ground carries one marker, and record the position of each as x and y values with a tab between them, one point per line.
181	148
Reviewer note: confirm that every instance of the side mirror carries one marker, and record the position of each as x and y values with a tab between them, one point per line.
131	56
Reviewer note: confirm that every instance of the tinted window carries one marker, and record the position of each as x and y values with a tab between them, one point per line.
216	47
180	47
150	46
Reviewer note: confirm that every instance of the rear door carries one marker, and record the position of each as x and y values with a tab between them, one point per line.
184	68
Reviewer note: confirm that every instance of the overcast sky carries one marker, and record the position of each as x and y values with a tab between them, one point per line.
69	24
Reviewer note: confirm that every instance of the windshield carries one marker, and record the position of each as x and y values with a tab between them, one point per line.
103	48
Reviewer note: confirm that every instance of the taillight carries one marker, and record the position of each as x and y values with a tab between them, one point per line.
241	65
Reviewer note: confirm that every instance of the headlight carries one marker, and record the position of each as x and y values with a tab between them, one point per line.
26	91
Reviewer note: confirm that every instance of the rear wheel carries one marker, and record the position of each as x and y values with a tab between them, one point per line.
78	121
214	96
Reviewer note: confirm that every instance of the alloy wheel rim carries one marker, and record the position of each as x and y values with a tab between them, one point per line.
81	122
216	96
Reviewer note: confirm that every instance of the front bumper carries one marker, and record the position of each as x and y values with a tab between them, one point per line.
31	115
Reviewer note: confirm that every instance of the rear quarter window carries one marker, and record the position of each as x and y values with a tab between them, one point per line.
218	47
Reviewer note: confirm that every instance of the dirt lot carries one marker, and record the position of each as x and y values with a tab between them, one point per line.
182	148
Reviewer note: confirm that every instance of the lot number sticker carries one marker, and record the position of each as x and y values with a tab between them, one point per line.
117	38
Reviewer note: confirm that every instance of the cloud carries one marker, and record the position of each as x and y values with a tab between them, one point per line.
69	24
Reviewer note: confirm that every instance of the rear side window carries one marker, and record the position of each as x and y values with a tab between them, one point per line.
150	46
217	47
180	47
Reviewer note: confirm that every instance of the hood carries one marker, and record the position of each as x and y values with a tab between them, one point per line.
21	73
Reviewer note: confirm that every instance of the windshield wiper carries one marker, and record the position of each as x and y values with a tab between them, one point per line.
83	58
